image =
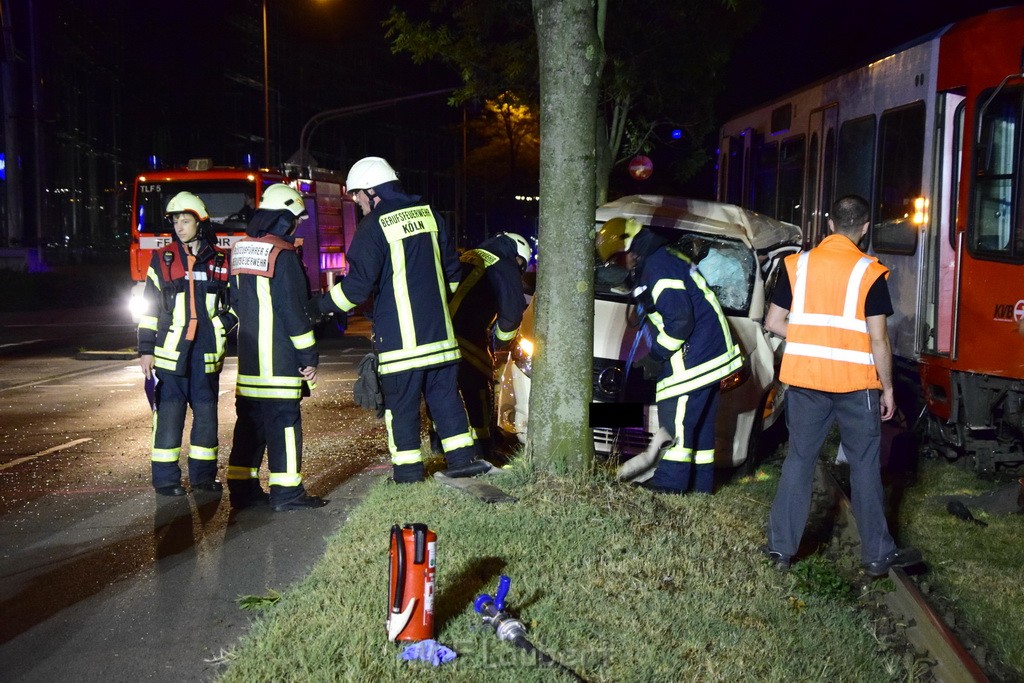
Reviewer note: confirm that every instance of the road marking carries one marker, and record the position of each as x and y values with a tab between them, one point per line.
30	341
69	444
63	376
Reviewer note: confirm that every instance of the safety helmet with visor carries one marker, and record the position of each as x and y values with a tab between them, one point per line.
523	248
369	172
279	197
616	236
186	202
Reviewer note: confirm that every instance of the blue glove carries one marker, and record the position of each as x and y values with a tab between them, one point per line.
428	651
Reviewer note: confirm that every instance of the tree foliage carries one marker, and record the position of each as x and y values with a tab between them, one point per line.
662	68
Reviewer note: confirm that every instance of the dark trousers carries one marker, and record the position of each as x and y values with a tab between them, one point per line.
174	394
809	416
273	426
402	394
690	421
478	394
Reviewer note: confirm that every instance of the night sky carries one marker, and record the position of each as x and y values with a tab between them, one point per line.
799	41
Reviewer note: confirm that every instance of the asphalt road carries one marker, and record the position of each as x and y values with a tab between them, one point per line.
100	579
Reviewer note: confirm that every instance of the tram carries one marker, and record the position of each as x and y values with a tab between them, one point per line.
931	135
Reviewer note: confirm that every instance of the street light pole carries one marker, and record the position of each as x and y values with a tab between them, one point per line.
266	92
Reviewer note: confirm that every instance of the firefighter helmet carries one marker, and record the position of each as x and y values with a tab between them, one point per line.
616	236
280	196
187	202
523	248
369	172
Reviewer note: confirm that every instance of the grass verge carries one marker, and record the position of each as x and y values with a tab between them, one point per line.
615	583
977	569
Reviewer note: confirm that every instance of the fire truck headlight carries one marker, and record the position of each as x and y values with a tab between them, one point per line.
137	306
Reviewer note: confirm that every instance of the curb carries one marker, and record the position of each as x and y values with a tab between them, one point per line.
131	354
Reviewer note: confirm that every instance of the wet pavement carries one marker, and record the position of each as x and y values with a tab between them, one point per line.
100	579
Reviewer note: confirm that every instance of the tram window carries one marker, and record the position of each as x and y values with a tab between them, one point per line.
855	157
900	156
992	230
764	189
958	148
791	180
828	166
734	169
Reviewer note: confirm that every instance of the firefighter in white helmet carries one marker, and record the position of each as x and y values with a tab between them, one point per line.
181	344
691	350
277	356
403	257
487	310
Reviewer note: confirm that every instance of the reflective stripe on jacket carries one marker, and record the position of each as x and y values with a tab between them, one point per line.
489	301
401	256
275	335
169	330
828	347
691	329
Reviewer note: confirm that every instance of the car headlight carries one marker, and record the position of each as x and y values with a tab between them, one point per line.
734	380
522	355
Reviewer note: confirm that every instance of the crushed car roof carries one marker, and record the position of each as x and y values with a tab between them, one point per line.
726	220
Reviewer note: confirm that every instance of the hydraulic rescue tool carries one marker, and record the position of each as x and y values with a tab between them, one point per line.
411	569
507	627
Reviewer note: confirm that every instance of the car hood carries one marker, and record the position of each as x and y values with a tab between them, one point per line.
697	215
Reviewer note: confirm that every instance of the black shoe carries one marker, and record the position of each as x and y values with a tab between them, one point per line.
303	501
901	557
408	474
778	560
469	469
212	486
172	490
240	502
654	488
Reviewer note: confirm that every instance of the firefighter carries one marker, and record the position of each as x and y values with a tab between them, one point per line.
692	350
830	304
402	257
277	356
182	341
487	310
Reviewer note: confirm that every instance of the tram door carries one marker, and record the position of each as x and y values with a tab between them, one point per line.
944	251
819	183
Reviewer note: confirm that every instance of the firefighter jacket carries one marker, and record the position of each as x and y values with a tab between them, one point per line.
489	301
269	295
828	347
187	307
692	332
401	255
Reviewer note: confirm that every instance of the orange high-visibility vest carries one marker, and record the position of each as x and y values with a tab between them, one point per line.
827	343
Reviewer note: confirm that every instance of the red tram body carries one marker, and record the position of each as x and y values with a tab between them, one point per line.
931	135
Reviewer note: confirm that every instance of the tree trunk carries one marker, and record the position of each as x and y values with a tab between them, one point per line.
560	438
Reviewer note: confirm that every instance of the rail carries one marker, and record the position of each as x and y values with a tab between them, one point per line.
925	629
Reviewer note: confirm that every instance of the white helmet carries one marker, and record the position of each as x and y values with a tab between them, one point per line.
187	202
523	248
280	196
369	172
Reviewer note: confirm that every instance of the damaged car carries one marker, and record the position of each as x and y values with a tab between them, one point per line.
738	253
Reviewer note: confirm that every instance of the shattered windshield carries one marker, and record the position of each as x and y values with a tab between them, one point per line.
727	266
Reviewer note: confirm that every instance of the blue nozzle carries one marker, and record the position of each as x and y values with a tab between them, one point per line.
499	597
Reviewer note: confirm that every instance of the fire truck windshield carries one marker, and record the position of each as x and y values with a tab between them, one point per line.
225	200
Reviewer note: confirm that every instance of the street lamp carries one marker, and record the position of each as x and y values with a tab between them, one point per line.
266	92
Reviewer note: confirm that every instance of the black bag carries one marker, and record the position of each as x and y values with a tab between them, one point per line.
366	391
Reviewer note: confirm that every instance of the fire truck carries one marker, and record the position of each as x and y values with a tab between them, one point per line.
227	193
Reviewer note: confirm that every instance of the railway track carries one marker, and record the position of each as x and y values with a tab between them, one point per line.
925	629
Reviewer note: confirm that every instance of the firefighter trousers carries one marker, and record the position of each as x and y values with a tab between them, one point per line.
478	394
273	426
690	421
174	395
402	394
